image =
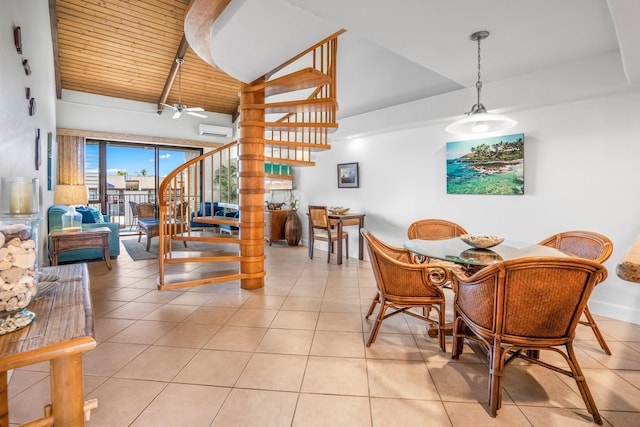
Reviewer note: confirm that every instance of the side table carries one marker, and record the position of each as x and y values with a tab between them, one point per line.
61	333
91	238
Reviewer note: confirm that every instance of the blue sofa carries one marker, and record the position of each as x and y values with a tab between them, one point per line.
229	228
208	208
54	218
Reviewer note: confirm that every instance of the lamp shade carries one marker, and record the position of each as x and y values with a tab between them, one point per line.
70	195
480	123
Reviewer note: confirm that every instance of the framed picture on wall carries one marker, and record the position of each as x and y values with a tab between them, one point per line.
348	175
493	165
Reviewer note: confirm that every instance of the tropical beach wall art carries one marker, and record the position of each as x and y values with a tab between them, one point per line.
493	165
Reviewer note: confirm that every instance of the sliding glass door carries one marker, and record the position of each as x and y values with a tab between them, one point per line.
118	175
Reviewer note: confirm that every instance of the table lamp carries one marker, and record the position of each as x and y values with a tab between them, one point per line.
70	195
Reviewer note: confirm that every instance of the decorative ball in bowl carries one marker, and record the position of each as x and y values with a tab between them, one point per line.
338	210
481	242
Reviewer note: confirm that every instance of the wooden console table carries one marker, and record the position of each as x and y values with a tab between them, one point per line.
62	241
60	333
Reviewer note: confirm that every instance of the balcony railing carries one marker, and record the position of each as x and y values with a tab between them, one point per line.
119	209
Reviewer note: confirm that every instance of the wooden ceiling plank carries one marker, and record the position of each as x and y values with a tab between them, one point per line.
103	29
136	12
107	47
126	49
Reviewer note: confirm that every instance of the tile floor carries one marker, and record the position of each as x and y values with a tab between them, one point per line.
293	354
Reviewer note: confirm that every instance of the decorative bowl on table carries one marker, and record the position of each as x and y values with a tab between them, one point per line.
338	210
481	242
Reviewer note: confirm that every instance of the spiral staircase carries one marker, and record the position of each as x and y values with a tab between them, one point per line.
285	116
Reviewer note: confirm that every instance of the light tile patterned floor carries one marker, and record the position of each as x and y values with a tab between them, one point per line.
293	354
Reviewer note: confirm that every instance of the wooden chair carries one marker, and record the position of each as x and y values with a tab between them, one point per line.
403	285
434	229
588	245
147	211
527	304
320	229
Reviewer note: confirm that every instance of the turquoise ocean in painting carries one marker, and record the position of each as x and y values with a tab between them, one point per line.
487	166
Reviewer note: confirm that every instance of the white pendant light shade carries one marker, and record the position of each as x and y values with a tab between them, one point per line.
478	121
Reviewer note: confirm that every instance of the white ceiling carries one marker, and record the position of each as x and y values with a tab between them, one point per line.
412	49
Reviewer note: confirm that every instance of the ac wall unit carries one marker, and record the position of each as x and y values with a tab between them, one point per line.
212	130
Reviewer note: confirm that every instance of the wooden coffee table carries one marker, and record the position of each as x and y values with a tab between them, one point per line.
62	241
151	228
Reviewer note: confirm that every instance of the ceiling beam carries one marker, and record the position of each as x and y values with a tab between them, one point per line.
182	49
53	22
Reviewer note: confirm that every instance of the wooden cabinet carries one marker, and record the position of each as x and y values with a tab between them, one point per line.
274	229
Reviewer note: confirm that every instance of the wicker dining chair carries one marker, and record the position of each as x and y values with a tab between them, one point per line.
434	229
134	214
403	285
320	229
519	307
147	210
588	245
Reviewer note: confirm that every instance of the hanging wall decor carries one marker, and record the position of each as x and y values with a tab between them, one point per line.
17	39
492	165
49	160
38	157
348	175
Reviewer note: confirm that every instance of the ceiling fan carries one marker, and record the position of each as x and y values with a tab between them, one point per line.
180	108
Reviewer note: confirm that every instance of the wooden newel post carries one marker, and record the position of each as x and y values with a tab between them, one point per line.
251	186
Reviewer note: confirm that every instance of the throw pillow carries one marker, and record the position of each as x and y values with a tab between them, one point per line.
87	216
97	215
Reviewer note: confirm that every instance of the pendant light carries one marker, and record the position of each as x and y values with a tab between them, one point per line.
477	120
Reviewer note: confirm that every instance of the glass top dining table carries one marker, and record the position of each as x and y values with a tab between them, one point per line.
457	251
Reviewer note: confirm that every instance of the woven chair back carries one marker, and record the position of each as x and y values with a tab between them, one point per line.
434	229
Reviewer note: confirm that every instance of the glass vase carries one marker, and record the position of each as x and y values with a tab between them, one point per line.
18	270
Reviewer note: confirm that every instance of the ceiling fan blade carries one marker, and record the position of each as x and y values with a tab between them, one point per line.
202	116
170	106
194	109
176	115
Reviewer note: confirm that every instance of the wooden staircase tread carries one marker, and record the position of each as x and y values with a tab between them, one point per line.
297	144
291	125
298	80
292	162
183	256
318	105
220	220
211	238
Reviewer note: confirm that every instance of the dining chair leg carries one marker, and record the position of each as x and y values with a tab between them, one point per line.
591	322
495	379
578	376
372	307
311	242
378	323
329	250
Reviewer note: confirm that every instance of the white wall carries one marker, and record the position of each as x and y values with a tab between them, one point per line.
17	128
77	110
581	161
